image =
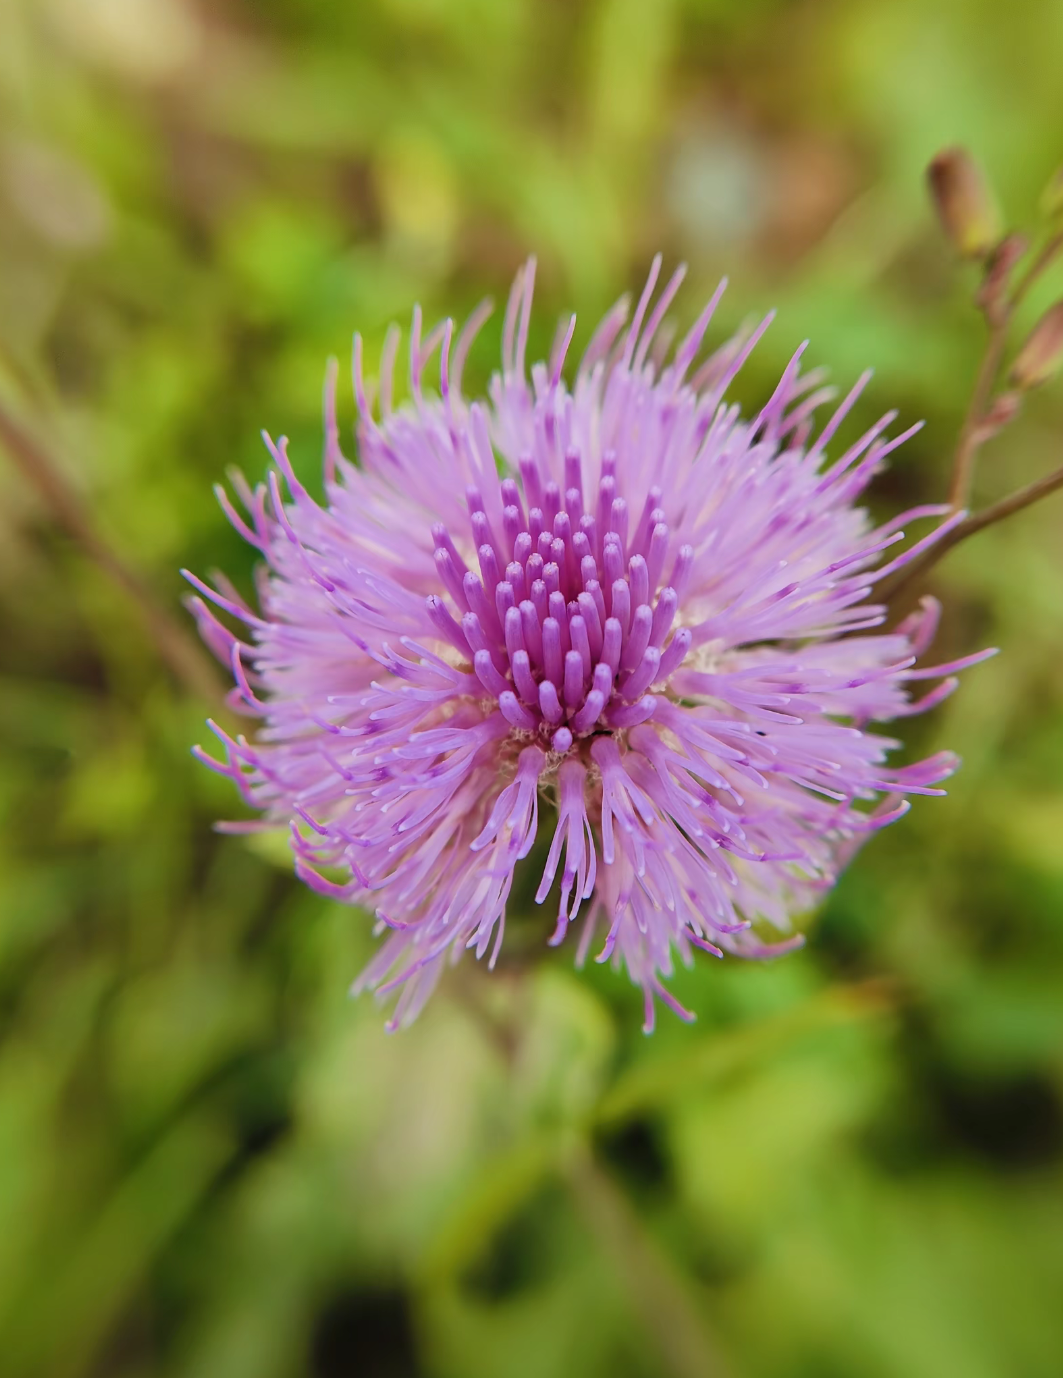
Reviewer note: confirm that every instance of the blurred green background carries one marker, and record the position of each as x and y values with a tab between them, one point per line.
212	1163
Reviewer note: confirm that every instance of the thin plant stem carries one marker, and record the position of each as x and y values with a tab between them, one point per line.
974	434
656	1293
175	646
1036	268
1015	502
978	521
970	440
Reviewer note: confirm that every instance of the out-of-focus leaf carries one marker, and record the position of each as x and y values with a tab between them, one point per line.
501	1186
656	1082
92	1277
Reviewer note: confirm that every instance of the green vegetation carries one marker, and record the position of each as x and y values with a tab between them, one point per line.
212	1163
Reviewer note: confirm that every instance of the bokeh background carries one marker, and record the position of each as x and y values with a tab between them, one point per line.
213	1164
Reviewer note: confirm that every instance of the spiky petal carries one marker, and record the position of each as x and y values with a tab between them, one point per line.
654	624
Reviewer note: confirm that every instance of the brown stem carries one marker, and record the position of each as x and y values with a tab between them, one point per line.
973	435
1036	268
971	438
667	1310
978	521
176	647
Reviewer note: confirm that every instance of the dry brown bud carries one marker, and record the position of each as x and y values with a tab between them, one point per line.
964	203
1042	354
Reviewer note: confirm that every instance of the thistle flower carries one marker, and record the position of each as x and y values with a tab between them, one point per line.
620	604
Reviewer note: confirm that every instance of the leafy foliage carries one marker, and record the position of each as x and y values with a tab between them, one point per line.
211	1162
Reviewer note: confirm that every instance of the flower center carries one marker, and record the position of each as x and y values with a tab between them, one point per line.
566	620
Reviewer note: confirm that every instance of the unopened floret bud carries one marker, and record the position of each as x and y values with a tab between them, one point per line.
964	203
1042	355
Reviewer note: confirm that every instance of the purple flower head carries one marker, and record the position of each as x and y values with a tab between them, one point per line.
620	604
